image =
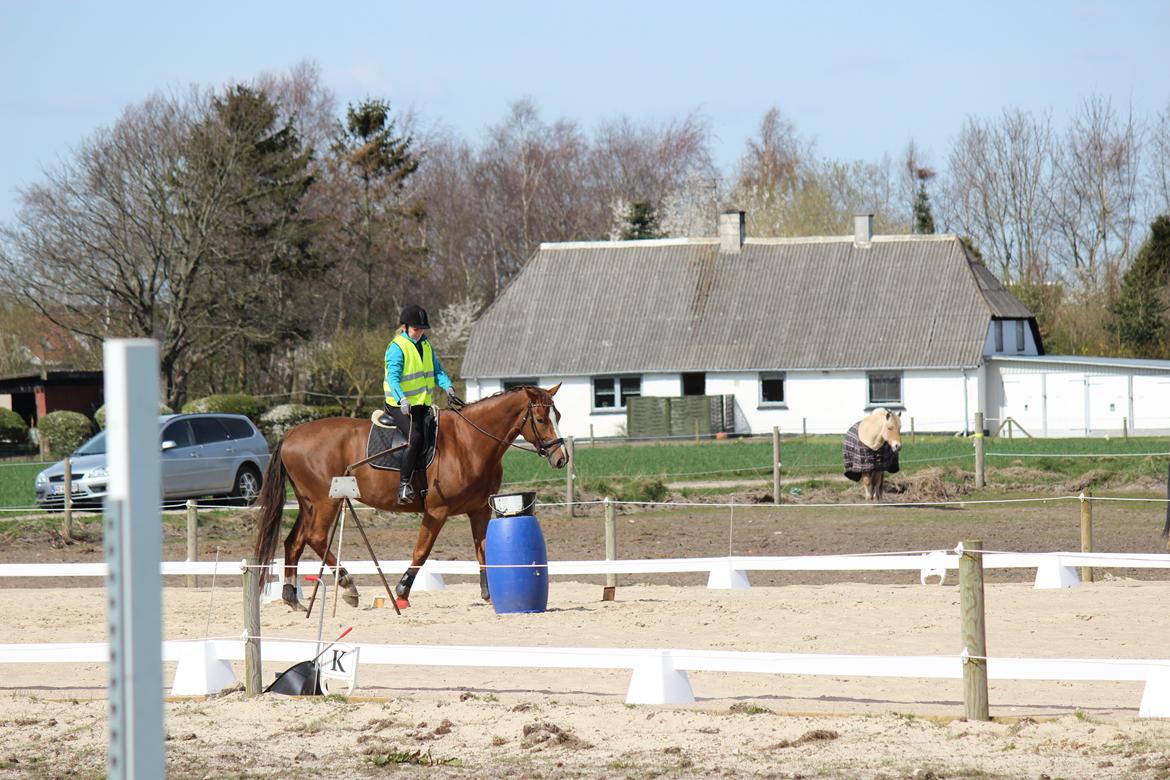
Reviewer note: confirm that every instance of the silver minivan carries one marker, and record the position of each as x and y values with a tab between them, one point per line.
212	454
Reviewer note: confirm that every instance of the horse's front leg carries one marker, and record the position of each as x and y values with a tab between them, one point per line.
428	531
879	479
479	524
867	485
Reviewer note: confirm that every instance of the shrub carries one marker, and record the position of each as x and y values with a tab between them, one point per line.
12	427
63	432
100	415
229	403
281	419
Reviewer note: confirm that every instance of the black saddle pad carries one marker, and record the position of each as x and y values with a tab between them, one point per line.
382	439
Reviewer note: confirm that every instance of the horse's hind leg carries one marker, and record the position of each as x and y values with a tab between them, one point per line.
294	546
479	523
428	531
879	482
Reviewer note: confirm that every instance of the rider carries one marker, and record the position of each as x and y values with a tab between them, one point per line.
412	372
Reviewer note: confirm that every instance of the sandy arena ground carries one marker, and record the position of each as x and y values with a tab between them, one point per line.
452	722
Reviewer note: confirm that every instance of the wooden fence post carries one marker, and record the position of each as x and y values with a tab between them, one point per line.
253	679
776	465
571	474
979	478
192	537
804	430
591	441
974	631
1087	532
1125	428
610	551
67	519
913	438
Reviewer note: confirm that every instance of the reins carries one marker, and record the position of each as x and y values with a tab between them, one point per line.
543	449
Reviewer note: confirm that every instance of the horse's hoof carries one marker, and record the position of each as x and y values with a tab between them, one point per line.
296	606
351	599
402	603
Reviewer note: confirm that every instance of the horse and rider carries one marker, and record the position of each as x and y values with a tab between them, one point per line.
413	370
467	467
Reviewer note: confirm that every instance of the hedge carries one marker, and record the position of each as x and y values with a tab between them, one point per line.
100	416
12	427
229	403
63	431
281	419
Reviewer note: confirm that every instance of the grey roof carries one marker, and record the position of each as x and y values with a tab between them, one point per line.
681	305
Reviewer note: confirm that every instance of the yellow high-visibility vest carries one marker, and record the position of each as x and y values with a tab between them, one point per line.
418	372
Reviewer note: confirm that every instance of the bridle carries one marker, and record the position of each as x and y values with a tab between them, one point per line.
543	448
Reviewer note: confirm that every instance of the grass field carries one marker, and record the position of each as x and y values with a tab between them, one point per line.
608	467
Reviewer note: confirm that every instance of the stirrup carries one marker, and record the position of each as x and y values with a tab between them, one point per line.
405	493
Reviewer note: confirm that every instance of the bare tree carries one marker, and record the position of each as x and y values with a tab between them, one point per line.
996	190
1095	198
1158	175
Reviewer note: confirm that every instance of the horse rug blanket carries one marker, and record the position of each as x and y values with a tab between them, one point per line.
381	439
860	459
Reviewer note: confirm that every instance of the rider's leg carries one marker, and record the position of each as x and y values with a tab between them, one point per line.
413	444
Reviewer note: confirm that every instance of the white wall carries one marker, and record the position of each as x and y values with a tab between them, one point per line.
1055	400
1009	339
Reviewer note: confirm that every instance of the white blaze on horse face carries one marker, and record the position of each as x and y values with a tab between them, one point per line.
562	457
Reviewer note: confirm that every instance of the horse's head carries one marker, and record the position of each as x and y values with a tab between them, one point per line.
541	429
890	424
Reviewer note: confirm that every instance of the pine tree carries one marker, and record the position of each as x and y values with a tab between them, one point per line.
923	219
1139	313
641	221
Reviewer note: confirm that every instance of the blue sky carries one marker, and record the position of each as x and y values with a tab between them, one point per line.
860	79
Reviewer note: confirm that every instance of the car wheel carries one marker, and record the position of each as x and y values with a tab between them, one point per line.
247	485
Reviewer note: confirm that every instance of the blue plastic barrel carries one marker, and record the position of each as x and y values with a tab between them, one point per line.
513	545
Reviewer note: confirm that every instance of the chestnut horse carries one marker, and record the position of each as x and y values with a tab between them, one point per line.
871	449
466	470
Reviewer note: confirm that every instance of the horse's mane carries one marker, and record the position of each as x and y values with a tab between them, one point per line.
500	393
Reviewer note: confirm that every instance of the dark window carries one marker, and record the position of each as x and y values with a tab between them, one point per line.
237	428
694	384
511	384
611	392
180	433
999	335
885	389
208	430
1019	335
772	388
631	387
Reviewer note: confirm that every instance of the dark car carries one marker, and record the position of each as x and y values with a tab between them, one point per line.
215	454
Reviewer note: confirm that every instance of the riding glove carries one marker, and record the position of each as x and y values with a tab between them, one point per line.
404	406
453	400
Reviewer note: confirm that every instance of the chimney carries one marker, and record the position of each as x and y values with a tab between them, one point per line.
862	230
732	232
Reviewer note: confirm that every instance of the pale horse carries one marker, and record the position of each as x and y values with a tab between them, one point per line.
871	449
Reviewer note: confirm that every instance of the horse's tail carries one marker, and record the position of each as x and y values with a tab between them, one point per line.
271	502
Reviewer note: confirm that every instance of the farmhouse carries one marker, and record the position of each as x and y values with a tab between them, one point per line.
800	333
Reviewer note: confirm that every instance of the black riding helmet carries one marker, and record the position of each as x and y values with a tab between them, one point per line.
415	316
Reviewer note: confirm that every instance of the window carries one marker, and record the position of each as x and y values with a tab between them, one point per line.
999	335
885	388
180	433
1019	335
208	430
771	389
694	384
612	392
237	428
512	384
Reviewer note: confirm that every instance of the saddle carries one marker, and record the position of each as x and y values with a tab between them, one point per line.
384	435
